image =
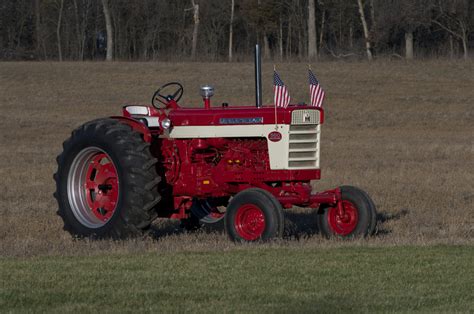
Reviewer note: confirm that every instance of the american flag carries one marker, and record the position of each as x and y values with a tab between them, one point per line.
317	93
282	97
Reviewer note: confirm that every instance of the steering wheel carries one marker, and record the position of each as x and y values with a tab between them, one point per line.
166	99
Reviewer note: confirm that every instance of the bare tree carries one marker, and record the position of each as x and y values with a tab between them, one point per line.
322	29
409	45
81	25
302	30
231	30
280	37
110	31
312	50
58	29
413	16
288	39
455	20
195	29
37	25
368	46
75	29
373	26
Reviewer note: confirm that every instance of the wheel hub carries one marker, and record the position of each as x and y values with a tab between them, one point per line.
250	222
93	187
345	222
101	186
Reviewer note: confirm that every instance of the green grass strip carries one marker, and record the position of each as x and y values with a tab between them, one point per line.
427	279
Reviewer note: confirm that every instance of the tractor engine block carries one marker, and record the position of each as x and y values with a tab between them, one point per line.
214	166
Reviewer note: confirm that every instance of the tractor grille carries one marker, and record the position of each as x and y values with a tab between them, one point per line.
305	117
304	140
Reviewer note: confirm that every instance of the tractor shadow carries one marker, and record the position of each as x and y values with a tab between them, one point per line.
165	227
384	217
300	223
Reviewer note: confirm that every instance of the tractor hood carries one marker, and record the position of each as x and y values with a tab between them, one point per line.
246	115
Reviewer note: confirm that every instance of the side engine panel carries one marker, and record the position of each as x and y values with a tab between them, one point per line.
220	167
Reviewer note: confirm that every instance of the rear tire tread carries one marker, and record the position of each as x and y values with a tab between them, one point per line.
138	210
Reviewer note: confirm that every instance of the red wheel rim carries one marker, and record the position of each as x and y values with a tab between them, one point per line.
249	222
343	223
101	186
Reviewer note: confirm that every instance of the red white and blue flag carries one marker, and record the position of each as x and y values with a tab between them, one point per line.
315	90
282	97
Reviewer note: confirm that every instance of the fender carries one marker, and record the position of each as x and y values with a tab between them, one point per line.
136	126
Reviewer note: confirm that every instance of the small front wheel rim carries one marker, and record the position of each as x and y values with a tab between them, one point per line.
249	222
93	187
345	222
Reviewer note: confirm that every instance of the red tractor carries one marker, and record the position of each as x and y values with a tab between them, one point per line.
201	165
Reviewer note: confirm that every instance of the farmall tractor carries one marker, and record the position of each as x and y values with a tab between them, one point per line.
242	165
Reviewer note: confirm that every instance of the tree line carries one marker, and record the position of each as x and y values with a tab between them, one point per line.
227	30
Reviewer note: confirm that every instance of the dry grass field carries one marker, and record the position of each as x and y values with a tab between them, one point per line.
402	131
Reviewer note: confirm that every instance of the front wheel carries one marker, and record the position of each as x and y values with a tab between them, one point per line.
254	215
355	218
207	213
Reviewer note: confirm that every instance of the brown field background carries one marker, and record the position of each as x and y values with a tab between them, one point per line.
402	131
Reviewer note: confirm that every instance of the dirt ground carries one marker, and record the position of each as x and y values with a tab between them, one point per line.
402	131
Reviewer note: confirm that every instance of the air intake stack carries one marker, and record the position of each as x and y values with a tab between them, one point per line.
258	77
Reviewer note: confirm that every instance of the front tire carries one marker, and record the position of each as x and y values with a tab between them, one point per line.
206	213
358	218
254	215
106	182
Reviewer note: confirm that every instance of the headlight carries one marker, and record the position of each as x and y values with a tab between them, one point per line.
166	123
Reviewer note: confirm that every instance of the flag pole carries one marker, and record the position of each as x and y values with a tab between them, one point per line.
274	104
309	70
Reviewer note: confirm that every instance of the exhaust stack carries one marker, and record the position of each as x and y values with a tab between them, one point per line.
258	77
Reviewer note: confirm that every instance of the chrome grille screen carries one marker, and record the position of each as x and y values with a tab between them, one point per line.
307	116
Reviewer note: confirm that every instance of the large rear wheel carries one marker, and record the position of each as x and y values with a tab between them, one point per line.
106	183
